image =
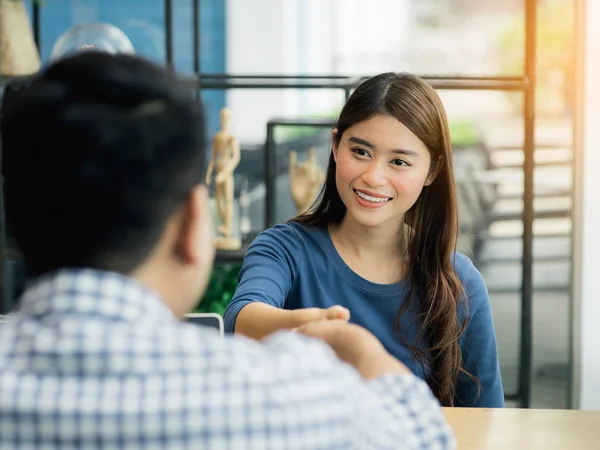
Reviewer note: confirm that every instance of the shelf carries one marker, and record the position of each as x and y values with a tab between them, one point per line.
231	256
235	256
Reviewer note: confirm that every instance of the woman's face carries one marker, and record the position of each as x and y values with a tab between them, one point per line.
381	169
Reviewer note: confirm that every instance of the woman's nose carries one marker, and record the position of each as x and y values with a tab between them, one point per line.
374	175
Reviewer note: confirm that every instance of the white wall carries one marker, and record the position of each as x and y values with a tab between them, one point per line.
371	36
310	37
254	45
587	216
281	37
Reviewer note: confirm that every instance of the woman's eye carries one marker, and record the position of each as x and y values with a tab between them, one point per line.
360	151
399	162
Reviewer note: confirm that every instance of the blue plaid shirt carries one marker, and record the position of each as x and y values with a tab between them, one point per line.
93	360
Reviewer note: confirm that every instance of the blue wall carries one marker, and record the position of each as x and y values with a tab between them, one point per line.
143	22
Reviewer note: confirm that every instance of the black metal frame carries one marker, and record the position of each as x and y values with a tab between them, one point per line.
525	84
526	348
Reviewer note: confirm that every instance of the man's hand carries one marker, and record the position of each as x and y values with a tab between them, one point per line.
306	315
356	346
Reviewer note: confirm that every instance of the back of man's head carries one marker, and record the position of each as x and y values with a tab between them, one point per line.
98	152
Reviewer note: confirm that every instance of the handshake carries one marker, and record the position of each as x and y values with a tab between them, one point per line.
352	344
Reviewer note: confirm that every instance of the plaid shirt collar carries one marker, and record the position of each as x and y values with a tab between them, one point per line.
109	295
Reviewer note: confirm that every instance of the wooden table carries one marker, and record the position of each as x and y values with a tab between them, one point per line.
531	429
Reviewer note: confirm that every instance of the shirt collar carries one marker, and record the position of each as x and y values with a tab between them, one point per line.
94	292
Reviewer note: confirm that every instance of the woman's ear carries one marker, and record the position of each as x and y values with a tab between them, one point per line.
436	167
334	144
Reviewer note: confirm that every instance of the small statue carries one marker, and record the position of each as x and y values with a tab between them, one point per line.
305	180
225	158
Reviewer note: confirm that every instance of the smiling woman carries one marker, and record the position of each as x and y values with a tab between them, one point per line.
381	242
380	162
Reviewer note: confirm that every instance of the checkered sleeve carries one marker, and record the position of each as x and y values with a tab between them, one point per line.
407	400
326	404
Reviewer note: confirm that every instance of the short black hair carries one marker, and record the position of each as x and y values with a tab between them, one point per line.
98	151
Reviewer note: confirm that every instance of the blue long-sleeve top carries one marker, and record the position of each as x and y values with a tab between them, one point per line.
293	266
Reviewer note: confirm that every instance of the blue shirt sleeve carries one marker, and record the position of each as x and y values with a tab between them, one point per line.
268	272
479	348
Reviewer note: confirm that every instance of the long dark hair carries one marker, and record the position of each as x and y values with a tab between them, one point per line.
433	223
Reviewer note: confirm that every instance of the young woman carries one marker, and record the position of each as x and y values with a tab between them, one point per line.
379	248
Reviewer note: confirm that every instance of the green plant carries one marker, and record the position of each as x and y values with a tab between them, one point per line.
554	57
554	38
222	284
463	133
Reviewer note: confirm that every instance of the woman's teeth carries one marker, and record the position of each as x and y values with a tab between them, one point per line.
371	199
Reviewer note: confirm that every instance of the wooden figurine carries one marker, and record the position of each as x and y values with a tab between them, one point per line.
224	159
305	180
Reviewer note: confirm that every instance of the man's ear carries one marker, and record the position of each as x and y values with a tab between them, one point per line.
193	213
436	168
334	148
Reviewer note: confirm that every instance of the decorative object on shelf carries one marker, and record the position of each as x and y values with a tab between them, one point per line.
224	159
305	180
19	55
97	36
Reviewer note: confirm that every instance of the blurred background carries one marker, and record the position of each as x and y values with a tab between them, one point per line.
506	71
